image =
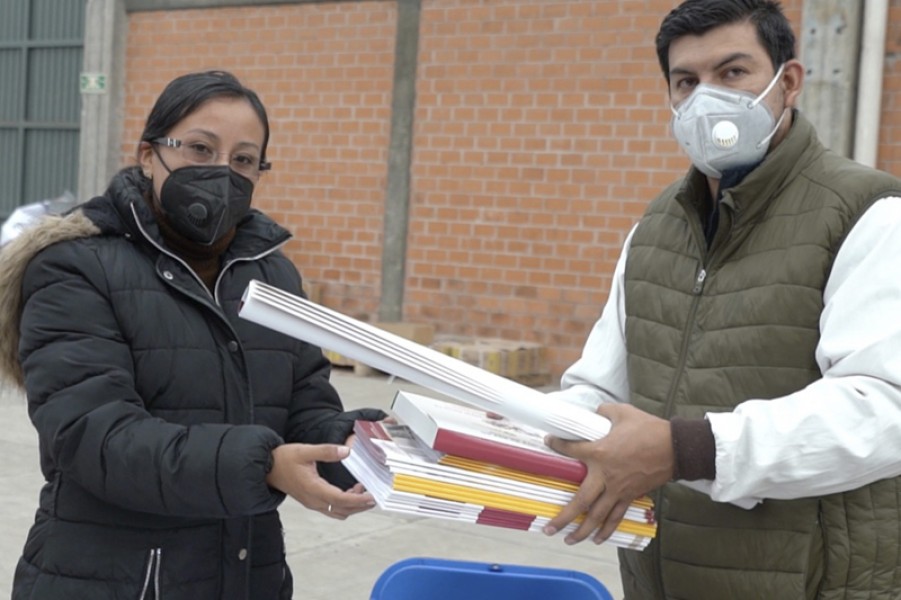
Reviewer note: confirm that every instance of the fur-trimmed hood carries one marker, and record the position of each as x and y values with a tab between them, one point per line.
102	215
14	258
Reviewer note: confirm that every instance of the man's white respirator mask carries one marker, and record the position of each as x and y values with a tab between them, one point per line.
721	129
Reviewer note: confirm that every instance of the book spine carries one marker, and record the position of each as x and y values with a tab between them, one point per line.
495	500
489	451
505	518
366	431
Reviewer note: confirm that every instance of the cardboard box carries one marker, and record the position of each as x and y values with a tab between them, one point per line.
337	359
313	291
525	362
421	333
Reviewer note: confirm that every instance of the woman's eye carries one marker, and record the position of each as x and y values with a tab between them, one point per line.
244	159
199	149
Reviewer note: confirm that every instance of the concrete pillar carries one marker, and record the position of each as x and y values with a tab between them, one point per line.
829	48
400	150
102	111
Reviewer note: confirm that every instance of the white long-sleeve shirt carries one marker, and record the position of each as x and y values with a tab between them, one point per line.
837	434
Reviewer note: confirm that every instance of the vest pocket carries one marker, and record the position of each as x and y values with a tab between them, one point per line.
715	550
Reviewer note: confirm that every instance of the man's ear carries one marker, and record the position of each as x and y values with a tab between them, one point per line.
792	82
145	158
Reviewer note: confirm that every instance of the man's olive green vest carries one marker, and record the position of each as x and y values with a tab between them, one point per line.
709	328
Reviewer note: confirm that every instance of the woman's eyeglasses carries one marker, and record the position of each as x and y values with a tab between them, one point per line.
201	153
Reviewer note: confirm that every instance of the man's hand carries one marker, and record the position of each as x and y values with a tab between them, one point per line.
294	473
633	459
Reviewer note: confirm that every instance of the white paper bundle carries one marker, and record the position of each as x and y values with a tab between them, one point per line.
382	350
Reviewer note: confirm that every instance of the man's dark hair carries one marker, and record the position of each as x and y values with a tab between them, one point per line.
187	93
697	17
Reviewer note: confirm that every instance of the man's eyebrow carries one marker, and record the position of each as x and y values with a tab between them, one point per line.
728	59
680	71
732	58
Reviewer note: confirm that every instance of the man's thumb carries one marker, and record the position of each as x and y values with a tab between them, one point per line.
609	410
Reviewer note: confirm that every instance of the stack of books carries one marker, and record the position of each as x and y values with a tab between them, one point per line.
417	467
455	462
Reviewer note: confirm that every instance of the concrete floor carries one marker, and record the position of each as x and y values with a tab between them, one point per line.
330	559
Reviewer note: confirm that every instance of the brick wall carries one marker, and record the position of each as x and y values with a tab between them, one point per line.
541	132
890	129
324	72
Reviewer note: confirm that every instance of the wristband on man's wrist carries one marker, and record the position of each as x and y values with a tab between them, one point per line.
694	448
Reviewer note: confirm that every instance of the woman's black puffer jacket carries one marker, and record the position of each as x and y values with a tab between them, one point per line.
156	407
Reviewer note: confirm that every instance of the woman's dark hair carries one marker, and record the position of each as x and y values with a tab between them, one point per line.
697	17
187	93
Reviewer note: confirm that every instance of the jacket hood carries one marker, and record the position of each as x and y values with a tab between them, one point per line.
110	214
14	258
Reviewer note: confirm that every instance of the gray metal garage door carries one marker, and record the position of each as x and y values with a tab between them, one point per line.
41	44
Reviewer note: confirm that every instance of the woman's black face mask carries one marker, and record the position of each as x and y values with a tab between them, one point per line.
203	203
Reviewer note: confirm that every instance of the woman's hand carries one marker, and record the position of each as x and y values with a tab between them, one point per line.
294	473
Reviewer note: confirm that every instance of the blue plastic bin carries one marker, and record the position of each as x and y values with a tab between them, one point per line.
439	579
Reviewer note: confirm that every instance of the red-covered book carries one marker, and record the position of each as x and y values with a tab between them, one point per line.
470	433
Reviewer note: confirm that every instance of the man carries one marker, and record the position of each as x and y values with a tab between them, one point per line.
751	343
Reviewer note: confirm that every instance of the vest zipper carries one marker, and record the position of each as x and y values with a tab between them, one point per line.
708	259
153	570
824	531
696	290
699	282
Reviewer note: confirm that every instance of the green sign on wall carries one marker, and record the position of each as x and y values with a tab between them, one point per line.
93	83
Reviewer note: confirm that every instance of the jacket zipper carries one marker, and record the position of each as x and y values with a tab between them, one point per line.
222	271
169	254
214	296
153	571
227	265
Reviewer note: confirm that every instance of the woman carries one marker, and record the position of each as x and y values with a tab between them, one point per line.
170	429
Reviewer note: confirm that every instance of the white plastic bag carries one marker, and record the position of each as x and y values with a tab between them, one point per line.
29	214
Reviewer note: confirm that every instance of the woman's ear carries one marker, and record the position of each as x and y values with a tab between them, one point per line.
792	82
145	159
